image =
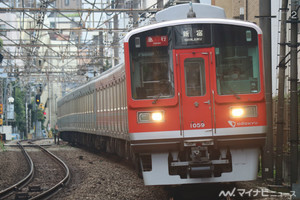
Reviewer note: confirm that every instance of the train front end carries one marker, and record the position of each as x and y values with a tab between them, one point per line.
196	102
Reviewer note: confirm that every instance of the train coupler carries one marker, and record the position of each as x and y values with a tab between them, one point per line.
201	162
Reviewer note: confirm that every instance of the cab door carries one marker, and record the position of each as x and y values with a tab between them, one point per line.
196	117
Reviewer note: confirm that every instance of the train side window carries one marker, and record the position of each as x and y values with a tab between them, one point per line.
194	72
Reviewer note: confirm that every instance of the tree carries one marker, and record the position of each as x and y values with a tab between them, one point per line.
20	109
39	116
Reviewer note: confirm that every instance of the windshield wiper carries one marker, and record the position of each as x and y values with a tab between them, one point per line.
234	93
156	98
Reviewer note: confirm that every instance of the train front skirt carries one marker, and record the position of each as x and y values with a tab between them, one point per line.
244	168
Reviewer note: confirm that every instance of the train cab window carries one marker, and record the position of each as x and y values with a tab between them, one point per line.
194	72
152	77
151	68
237	60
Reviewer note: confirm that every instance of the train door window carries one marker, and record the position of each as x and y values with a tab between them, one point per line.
103	108
91	103
107	108
121	105
105	103
114	107
91	119
118	105
110	107
194	71
86	110
82	110
99	120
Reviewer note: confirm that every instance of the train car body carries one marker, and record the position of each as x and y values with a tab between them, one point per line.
189	102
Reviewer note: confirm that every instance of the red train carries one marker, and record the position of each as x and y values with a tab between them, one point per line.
188	104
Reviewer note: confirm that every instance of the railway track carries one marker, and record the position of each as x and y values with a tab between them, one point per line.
47	175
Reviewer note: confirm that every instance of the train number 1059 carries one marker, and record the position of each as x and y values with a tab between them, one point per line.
197	125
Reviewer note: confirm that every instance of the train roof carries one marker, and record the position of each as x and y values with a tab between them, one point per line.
89	86
193	21
180	12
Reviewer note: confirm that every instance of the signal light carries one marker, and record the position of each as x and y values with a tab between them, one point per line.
1	108
38	99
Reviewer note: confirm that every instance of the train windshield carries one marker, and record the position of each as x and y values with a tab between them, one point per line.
237	60
152	74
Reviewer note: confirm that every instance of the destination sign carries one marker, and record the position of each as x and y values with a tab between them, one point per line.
156	41
193	34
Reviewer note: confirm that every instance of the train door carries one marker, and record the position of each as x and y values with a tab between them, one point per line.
196	116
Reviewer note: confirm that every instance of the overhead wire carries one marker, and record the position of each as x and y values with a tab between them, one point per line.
83	46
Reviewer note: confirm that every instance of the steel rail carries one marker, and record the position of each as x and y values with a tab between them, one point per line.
7	192
58	186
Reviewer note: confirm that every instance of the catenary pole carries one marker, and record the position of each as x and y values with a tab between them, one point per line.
265	24
280	104
294	92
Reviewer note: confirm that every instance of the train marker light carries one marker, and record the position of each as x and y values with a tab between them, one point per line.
157	116
237	112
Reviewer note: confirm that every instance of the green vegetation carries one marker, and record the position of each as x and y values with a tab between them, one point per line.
20	114
39	117
2	146
20	109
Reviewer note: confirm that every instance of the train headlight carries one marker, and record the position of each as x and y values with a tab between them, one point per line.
150	117
243	111
157	116
237	112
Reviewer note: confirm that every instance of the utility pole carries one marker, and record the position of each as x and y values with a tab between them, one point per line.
26	117
101	52
135	15
294	94
280	104
116	40
160	3
265	24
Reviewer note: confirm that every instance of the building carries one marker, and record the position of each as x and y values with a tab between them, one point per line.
240	9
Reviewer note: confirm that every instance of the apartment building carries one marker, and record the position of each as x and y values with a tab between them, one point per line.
240	9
